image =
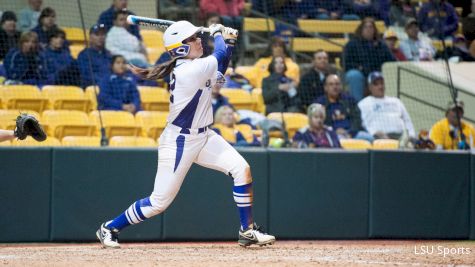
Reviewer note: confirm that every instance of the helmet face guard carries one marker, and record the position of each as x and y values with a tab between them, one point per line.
182	50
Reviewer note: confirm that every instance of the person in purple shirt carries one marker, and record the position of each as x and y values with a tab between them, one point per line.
438	19
118	91
316	134
62	68
107	17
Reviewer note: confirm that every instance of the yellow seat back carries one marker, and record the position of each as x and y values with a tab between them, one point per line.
258	100
66	97
258	25
116	123
310	44
239	98
75	35
75	50
246	131
8	117
334	26
5	143
229	134
154	98
81	141
63	123
355	144
152	122
50	141
130	141
385	144
91	95
293	121
22	97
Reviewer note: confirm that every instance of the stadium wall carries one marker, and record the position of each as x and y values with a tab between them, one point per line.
62	194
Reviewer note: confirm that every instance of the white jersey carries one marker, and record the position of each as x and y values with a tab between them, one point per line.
190	88
386	114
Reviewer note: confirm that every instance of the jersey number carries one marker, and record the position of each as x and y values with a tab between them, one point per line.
172	86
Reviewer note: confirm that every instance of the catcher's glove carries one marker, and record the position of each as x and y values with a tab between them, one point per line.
29	125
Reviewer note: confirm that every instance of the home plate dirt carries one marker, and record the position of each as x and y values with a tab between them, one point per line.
282	253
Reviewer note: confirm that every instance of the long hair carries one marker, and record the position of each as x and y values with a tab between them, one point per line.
359	30
155	72
271	66
28	36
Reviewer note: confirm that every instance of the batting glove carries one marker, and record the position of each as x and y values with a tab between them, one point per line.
230	36
215	28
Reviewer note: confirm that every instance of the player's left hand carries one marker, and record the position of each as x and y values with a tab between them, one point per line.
29	125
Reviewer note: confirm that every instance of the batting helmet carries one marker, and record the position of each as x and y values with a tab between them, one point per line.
176	34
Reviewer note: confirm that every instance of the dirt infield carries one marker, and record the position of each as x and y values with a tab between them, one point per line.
283	253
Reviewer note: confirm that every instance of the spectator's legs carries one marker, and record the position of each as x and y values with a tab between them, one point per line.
350	17
362	135
323	16
354	80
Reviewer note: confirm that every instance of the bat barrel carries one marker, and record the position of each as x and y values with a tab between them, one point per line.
144	21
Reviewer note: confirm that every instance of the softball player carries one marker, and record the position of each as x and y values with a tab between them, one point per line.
187	138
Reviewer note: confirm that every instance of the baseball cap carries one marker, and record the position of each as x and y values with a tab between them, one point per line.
97	27
374	76
390	34
410	22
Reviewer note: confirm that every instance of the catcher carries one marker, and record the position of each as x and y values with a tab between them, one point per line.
25	125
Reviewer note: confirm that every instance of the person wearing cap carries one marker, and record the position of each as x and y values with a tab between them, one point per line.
446	132
438	19
401	11
414	47
459	51
98	55
383	116
9	36
61	67
390	38
28	17
107	17
121	42
362	55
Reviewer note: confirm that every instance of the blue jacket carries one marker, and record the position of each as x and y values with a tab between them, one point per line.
220	101
118	90
56	61
43	37
107	18
293	10
304	138
100	61
429	23
342	114
29	69
366	56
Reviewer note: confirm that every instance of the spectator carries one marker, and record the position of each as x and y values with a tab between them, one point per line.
121	42
438	19
276	48
414	47
217	99
384	116
231	11
400	12
29	16
364	54
60	65
362	8
9	36
343	114
333	9
225	125
118	91
46	24
107	17
390	38
100	58
459	51
446	132
25	64
299	9
278	90
311	84
316	134
468	24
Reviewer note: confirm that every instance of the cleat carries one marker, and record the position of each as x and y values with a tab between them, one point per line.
254	235
109	237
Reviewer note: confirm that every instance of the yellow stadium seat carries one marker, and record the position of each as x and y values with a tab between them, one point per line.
152	122
5	143
154	54
130	141
258	25
334	26
22	97
437	44
91	95
259	105
66	97
249	72
227	133
385	144
355	144
313	44
63	123
293	121
152	38
246	131
75	35
81	141
75	50
8	117
50	141
239	98
154	98
116	123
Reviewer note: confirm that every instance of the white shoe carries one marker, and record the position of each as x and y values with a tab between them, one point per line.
254	235
109	237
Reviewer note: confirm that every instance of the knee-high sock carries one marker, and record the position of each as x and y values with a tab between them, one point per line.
243	198
133	215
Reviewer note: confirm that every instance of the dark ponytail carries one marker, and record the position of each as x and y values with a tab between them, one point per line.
155	72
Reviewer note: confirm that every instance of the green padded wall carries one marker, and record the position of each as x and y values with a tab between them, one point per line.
318	194
472	198
25	190
419	195
94	185
205	209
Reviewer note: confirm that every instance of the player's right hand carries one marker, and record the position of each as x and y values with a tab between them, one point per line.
215	28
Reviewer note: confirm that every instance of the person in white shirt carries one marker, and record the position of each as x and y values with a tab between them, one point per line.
414	47
121	42
384	116
28	17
